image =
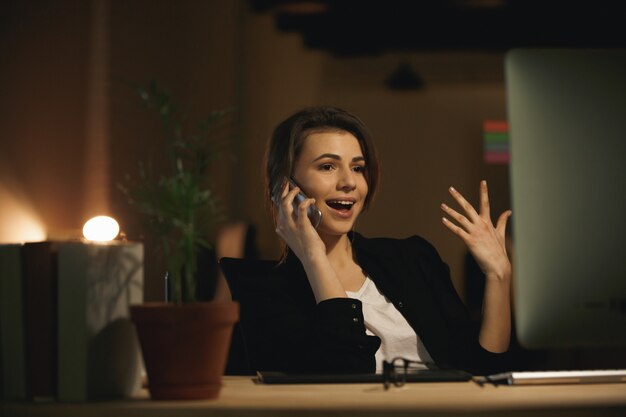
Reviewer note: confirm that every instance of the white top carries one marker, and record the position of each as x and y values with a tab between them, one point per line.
398	339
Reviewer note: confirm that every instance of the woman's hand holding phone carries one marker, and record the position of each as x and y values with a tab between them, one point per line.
293	224
314	214
295	228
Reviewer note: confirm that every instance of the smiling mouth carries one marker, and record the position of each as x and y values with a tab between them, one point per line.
340	205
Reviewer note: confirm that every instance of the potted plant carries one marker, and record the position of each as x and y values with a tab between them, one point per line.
184	341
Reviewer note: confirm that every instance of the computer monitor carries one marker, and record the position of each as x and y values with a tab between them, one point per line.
567	116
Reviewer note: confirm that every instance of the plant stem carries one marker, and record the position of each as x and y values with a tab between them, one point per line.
191	261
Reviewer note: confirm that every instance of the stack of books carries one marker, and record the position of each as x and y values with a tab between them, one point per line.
65	332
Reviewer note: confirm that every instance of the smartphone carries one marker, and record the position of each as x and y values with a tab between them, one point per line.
314	213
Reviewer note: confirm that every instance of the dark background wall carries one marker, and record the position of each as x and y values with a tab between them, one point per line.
43	81
66	63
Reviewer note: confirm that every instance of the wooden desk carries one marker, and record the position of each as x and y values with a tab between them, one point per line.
242	397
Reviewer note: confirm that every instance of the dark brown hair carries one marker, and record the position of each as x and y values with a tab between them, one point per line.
286	144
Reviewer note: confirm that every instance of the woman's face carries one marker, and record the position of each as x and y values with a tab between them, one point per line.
331	170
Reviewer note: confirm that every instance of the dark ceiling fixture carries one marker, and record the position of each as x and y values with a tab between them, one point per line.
370	27
404	78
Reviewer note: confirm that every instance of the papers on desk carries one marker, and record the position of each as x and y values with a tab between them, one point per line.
558	377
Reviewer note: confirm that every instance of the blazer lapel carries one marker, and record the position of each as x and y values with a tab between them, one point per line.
403	283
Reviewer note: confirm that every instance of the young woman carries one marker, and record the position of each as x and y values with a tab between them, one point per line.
341	302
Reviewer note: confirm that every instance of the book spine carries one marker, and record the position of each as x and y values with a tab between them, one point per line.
73	337
13	363
40	318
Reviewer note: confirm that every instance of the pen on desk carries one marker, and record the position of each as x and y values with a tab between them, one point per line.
167	287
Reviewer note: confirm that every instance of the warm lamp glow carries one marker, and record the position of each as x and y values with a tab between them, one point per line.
101	229
18	220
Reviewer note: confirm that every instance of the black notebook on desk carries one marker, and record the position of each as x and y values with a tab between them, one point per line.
427	375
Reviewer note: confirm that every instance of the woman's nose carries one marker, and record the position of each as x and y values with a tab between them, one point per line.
347	181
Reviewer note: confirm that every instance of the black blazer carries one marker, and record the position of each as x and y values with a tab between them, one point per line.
286	330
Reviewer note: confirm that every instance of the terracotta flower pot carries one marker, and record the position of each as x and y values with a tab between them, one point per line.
185	347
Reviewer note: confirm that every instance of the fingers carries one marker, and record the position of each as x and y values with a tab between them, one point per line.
465	205
471	217
291	214
453	214
469	224
502	221
285	190
484	200
287	200
279	193
284	218
484	207
303	218
460	232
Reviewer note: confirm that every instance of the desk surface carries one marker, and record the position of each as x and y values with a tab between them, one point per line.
240	396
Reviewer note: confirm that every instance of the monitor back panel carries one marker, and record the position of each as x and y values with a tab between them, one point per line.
567	115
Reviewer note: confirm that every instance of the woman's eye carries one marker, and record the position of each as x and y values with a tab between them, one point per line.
326	167
359	169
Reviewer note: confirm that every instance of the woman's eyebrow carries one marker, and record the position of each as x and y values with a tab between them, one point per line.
337	157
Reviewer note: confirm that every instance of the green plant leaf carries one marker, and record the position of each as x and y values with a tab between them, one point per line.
179	207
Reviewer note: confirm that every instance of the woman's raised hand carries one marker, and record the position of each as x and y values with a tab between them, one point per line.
295	228
485	242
